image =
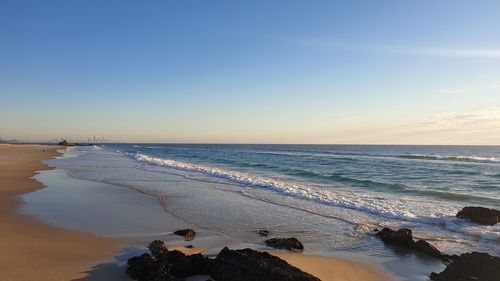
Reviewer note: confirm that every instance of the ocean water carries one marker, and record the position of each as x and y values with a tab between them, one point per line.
331	197
367	186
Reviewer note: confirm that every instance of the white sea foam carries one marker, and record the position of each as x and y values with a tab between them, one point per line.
461	158
389	207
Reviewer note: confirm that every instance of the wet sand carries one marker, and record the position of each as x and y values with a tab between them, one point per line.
31	250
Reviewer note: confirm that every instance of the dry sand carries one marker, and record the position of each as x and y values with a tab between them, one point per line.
331	269
30	250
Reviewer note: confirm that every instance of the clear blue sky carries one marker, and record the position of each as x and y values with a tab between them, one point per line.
251	71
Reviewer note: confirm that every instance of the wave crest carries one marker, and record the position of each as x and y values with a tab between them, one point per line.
459	158
387	207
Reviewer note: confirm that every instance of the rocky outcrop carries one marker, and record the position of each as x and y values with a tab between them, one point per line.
146	268
63	143
165	265
188	233
229	265
250	265
285	243
404	238
471	267
480	215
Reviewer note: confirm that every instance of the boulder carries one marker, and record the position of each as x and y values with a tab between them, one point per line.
480	215
250	265
285	243
404	238
188	233
471	267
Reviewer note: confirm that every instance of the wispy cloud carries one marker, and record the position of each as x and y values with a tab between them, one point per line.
467	127
443	52
410	50
496	85
451	91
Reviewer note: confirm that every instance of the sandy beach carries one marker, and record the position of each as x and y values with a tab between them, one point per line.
32	250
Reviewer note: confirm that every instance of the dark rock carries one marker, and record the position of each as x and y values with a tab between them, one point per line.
146	268
285	243
250	265
404	238
263	233
471	267
157	248
480	215
189	246
63	143
183	266
448	257
426	248
187	233
165	265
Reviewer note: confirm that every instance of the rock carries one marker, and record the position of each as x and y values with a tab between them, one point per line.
285	243
189	246
157	248
183	266
426	248
263	233
187	233
448	257
471	267
250	265
63	143
165	265
145	268
480	215
403	237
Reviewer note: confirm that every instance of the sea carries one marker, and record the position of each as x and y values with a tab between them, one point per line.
331	197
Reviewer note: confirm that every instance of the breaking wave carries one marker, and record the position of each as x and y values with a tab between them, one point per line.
459	158
389	207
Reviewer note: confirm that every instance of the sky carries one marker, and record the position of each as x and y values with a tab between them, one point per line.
357	72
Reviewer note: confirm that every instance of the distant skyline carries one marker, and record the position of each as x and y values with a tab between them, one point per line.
331	72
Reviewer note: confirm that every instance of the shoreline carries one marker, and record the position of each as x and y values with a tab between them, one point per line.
32	250
99	263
